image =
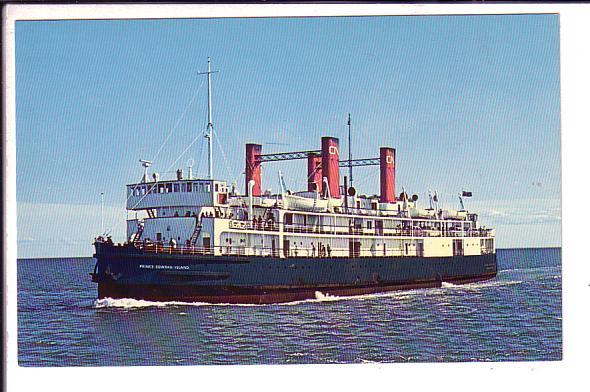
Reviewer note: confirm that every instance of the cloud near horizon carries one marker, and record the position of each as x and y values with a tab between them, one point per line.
520	212
61	230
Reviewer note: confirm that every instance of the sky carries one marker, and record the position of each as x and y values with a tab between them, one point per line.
469	103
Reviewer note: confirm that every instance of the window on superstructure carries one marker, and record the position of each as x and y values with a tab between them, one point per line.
176	187
216	187
183	187
189	187
169	188
369	224
208	188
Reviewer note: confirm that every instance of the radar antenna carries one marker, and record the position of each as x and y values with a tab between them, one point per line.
461	202
145	165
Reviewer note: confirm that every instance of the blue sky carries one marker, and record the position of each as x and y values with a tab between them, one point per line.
469	102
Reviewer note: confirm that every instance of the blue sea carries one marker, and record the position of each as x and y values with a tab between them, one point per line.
515	317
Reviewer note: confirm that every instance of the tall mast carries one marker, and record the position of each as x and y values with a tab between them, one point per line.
209	120
209	134
349	155
101	213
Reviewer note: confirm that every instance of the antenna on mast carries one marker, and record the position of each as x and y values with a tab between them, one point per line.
209	134
190	164
101	213
349	155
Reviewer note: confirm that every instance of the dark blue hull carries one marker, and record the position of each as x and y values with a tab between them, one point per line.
125	272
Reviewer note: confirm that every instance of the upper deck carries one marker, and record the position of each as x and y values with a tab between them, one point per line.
176	193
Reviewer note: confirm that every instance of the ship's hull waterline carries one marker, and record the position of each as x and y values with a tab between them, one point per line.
123	272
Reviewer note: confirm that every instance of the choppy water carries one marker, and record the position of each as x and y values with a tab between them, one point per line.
515	317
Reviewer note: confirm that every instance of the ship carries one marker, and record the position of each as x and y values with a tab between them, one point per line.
202	240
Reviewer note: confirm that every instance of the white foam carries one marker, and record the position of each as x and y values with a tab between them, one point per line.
130	303
326	297
479	285
493	283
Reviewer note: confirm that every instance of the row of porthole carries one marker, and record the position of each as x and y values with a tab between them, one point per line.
330	266
309	267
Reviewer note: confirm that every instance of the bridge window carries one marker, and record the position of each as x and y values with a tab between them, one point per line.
169	188
183	186
189	187
176	187
216	187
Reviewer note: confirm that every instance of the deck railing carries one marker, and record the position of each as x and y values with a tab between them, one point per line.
293	251
318	250
352	230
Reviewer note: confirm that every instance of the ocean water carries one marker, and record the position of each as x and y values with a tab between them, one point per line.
516	317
